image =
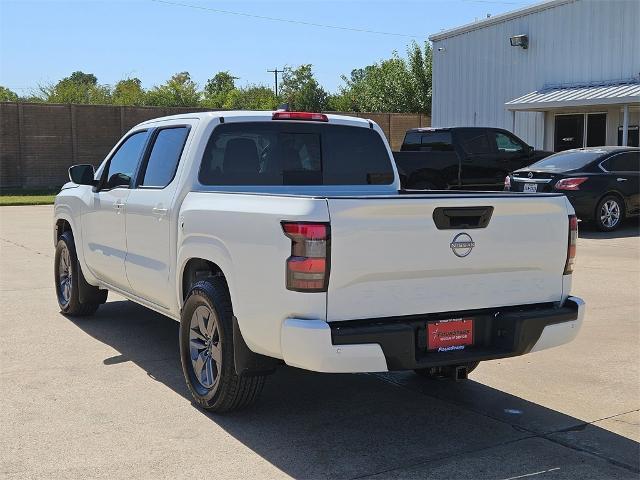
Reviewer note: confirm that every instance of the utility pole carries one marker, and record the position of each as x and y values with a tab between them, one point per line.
275	76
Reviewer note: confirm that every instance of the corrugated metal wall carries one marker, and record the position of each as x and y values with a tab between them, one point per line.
575	42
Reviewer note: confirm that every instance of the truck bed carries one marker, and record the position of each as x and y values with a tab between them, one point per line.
388	257
394	256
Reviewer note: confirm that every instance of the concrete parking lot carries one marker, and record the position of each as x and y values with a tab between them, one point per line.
104	397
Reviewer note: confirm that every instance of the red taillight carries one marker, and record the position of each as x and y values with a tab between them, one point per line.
571	247
308	266
507	182
314	117
570	183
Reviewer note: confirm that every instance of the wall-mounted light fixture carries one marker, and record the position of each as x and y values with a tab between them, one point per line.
519	41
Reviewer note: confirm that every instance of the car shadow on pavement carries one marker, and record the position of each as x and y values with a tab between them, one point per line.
312	425
631	228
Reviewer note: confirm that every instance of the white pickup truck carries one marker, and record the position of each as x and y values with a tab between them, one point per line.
284	237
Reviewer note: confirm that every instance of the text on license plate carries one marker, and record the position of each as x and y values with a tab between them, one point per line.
530	187
449	335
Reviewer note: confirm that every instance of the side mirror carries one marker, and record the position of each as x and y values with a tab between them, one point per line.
82	174
530	149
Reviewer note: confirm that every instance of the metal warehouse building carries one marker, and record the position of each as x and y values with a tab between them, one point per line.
560	74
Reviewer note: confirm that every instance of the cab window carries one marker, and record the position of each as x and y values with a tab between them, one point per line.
474	141
428	141
164	157
124	162
508	144
294	153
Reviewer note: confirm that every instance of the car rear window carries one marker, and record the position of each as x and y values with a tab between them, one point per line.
567	160
435	141
294	153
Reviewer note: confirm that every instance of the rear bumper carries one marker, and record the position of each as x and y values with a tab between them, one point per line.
376	345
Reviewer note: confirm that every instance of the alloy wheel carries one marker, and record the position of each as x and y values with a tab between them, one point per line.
610	213
204	347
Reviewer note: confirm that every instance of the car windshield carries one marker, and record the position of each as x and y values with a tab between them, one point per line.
565	161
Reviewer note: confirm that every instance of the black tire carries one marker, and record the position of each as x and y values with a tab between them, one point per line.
609	223
68	284
444	372
226	391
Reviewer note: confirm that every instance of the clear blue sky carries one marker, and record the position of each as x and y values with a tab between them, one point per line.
43	41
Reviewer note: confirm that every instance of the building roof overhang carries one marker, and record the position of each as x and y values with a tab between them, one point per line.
608	93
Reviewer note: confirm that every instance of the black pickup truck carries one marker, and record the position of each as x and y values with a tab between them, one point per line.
470	158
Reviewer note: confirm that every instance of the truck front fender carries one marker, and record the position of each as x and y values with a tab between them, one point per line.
64	212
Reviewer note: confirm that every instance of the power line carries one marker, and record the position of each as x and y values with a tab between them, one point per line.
288	20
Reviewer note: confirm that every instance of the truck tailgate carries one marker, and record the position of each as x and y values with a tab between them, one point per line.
388	258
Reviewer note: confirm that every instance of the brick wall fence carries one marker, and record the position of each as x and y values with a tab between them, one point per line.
38	142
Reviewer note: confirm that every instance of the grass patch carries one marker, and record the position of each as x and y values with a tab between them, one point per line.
27	197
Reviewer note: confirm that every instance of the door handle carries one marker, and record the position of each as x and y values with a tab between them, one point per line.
159	211
118	206
622	179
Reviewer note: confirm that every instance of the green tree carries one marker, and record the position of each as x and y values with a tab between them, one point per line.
302	91
178	91
392	85
421	68
252	97
128	91
7	95
82	78
382	87
218	88
79	87
340	103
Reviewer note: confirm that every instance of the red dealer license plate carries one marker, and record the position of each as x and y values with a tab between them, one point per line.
450	335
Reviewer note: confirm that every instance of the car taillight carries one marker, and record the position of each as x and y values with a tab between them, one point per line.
571	247
570	183
314	117
507	182
308	265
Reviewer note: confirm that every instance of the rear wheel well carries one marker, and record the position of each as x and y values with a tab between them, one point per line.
198	269
246	362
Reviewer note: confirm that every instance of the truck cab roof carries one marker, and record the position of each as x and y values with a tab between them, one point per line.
254	116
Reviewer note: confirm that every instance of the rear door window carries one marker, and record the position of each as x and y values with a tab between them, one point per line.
164	157
623	162
288	153
474	141
436	142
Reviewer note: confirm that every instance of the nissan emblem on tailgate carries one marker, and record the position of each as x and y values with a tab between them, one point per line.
462	244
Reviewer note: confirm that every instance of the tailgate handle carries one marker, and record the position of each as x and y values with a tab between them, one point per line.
453	218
